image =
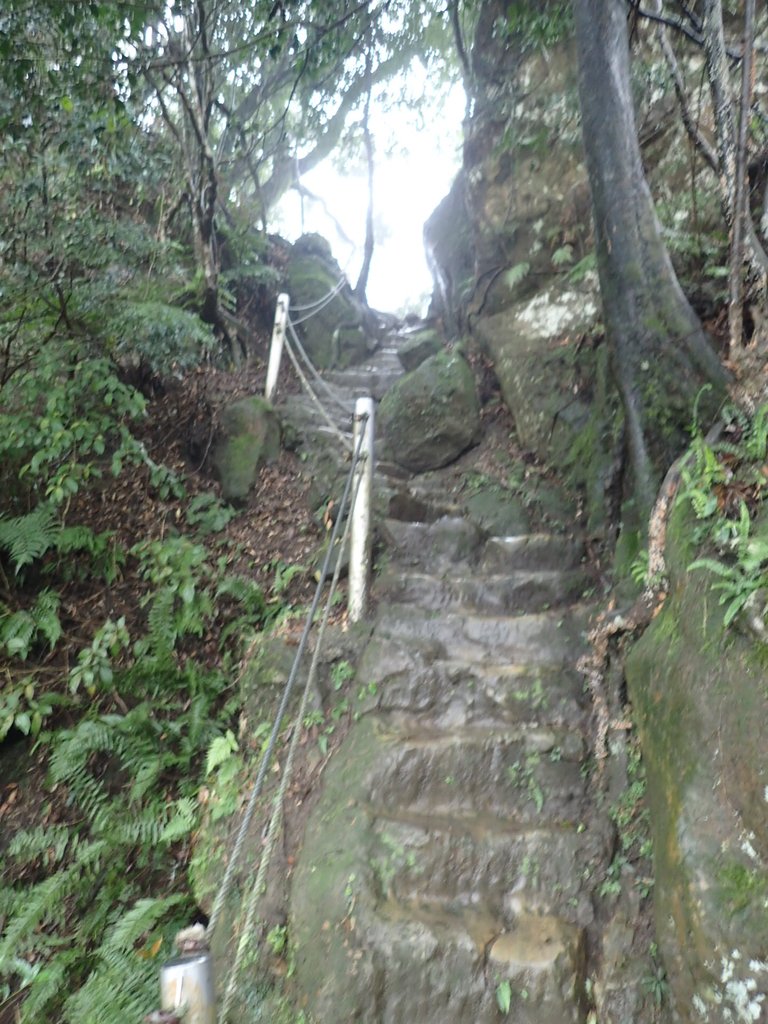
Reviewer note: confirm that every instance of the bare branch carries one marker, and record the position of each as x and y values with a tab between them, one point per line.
736	284
700	142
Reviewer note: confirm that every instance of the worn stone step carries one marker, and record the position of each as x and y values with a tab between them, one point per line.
518	590
449	540
539	638
524	779
536	551
485	862
360	380
541	957
406	677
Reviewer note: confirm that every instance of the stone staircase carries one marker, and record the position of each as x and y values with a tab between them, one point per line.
449	867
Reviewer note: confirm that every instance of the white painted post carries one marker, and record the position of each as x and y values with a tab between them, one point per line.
186	984
276	348
360	538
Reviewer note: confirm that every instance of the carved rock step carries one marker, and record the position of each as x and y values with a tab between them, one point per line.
517	590
543	957
417	677
359	381
531	551
447	541
460	776
368	950
541	638
482	861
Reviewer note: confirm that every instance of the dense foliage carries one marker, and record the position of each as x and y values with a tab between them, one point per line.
139	143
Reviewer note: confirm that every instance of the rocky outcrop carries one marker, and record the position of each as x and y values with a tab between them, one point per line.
431	415
701	703
337	332
249	436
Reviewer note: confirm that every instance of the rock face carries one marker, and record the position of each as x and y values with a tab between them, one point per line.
431	415
333	331
702	705
249	437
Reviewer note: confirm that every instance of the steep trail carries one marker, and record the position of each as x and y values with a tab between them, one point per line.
451	863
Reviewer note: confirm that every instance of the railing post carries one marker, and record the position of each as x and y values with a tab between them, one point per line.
276	348
360	537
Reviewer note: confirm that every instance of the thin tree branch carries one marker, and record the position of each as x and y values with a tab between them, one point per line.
736	283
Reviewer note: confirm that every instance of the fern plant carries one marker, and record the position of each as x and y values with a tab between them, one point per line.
89	923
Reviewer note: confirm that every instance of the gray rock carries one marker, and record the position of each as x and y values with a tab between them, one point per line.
248	438
431	415
419	346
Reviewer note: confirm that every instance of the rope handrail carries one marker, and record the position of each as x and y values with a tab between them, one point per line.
344	406
266	756
345	441
313	308
276	820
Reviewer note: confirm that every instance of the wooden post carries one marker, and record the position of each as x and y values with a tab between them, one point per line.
360	539
276	348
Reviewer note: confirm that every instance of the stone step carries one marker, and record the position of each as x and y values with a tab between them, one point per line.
435	966
449	540
523	779
411	678
485	862
539	638
531	551
360	381
518	590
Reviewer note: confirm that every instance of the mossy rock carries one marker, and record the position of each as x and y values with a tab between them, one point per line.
419	346
431	415
249	437
332	334
701	700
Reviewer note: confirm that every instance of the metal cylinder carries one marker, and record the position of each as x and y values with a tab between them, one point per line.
186	983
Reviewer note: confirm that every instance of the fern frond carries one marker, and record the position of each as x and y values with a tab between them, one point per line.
28	537
44	902
46	616
50	841
133	926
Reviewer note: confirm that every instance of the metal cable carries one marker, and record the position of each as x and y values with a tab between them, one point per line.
312	308
277	814
344	406
308	388
266	757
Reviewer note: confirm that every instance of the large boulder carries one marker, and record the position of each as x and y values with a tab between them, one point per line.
417	347
431	415
249	436
701	701
334	332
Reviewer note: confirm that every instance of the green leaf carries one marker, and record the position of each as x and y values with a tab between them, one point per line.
504	996
220	751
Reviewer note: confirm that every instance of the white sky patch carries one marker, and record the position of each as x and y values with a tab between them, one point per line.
415	166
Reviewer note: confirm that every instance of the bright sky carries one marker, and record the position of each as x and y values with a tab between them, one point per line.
408	185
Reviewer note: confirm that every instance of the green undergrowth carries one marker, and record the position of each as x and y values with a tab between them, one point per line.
119	654
724	485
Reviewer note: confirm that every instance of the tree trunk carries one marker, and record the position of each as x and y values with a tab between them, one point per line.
661	356
361	288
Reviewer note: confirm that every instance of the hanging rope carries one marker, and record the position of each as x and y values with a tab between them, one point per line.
344	440
344	406
276	820
313	308
266	757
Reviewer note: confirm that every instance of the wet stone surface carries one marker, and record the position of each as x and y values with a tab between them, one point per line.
456	852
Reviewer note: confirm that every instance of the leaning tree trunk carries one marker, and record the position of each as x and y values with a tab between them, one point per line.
661	356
